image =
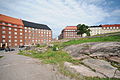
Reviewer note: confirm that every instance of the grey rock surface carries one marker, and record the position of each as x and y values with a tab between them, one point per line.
94	49
102	67
82	70
18	67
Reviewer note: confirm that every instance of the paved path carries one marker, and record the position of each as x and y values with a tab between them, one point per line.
18	67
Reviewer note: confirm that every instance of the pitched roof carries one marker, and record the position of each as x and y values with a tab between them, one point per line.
11	20
71	28
35	25
112	25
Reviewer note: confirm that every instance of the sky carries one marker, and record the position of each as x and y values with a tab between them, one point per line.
58	14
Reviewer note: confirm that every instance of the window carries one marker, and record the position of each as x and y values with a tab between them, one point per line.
15	25
15	40
3	23
20	33
25	30
3	27
20	40
3	32
15	29
9	36
20	36
3	40
9	44
15	44
9	40
15	33
3	36
9	32
21	43
110	27
20	29
9	24
25	27
15	37
104	27
9	28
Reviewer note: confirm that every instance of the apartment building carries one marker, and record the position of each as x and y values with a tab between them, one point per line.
15	32
11	31
36	33
102	29
71	31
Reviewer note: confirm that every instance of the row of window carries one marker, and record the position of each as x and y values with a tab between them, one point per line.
70	30
28	28
110	27
11	28
11	24
4	32
38	32
10	40
3	36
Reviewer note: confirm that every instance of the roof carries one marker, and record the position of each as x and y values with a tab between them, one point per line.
11	20
71	28
95	26
35	25
112	25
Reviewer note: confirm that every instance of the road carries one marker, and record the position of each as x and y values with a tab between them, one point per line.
18	67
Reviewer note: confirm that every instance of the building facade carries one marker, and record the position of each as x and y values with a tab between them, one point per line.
102	29
11	31
15	32
36	33
71	31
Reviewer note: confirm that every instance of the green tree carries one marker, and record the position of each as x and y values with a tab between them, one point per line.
82	28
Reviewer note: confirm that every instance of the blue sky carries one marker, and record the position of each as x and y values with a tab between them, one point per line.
58	14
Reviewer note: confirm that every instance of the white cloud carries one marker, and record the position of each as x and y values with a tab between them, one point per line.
56	13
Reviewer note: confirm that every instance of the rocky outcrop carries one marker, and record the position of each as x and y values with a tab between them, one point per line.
100	59
94	49
82	70
94	68
102	67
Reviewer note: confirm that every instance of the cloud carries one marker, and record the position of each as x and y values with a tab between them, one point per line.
57	13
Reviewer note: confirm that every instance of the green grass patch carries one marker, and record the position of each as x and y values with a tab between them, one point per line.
40	46
1	56
50	56
97	39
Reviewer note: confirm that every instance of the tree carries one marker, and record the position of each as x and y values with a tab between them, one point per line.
82	28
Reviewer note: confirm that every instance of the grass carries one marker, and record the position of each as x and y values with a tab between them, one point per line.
40	46
97	39
1	56
52	57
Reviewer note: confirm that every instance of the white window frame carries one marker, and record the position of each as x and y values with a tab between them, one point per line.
3	36
3	27
9	28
